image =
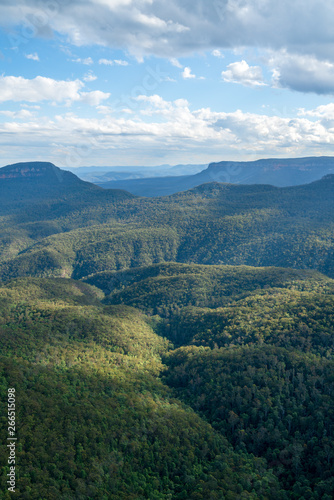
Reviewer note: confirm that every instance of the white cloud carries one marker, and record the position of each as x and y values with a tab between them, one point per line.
324	115
33	57
89	77
30	106
175	62
120	62
241	72
186	73
17	88
112	62
217	53
104	110
106	62
325	111
156	127
23	114
87	61
94	98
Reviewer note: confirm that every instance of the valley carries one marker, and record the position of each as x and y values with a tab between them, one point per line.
175	347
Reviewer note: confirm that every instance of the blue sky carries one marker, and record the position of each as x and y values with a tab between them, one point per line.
149	82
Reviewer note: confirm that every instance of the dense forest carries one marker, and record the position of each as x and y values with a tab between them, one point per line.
170	348
79	229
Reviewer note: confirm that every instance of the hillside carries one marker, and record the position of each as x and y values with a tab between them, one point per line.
269	401
168	348
253	372
93	418
280	172
220	306
159	288
259	225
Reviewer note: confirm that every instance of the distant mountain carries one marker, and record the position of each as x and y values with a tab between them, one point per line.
32	182
155	186
277	172
106	174
37	180
37	170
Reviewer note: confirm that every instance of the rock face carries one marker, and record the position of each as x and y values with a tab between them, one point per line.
22	172
37	169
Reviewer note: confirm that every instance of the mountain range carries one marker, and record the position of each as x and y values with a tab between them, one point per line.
105	174
277	172
74	228
176	347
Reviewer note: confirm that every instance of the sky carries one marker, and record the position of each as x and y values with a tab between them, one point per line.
152	82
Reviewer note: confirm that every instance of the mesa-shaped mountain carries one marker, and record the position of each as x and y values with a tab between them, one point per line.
31	182
37	180
281	172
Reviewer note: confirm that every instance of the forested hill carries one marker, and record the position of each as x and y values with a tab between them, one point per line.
107	408
89	230
171	348
94	420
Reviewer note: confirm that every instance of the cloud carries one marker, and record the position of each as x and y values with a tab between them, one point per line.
30	106
87	61
324	114
218	53
23	114
112	62
120	62
180	27
106	62
13	88
325	111
241	72
302	73
299	34
89	77
175	62
94	98
33	57
187	74
17	88
156	128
